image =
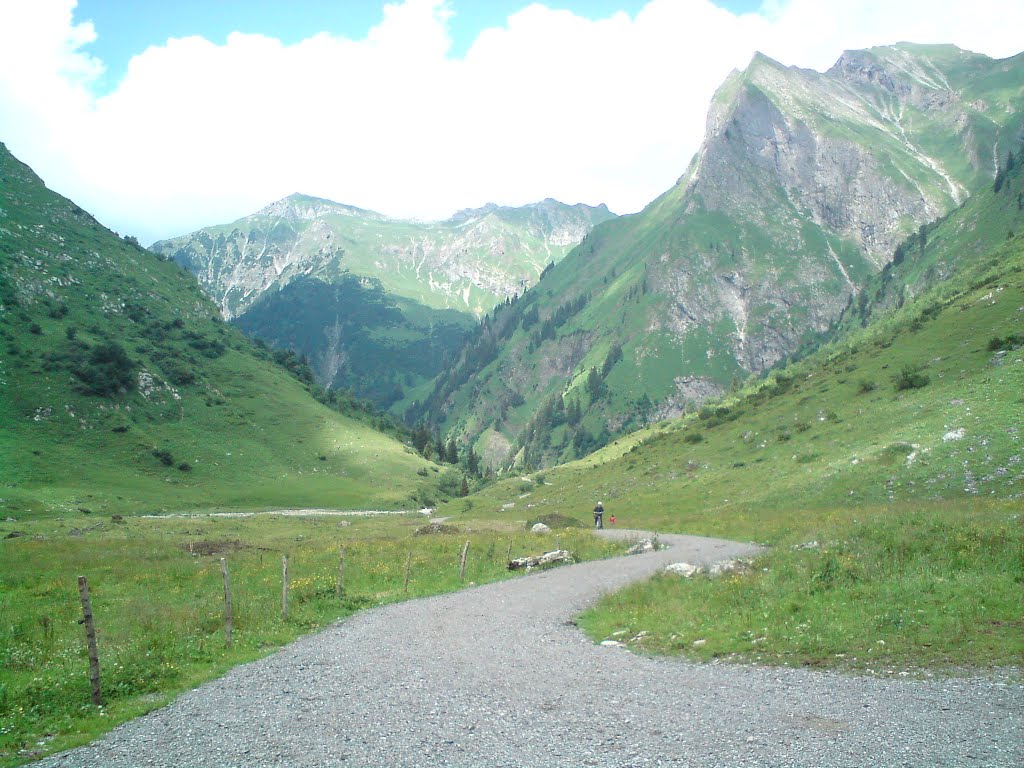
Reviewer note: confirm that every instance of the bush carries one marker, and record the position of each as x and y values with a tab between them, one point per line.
165	456
106	371
693	437
865	386
997	344
910	378
178	374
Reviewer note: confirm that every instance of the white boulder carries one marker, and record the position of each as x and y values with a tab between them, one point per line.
685	570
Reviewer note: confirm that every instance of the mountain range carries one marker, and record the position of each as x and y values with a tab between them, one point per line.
818	202
814	341
375	303
805	185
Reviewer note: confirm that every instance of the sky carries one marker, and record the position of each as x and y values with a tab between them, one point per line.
164	116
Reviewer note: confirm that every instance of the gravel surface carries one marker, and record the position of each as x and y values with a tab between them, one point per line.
498	675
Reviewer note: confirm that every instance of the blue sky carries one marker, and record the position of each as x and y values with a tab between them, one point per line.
163	116
127	27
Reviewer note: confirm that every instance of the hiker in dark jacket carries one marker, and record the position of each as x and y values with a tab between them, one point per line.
599	515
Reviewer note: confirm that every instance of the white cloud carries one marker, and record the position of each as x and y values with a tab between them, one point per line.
550	104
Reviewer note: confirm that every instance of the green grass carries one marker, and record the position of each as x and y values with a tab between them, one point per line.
157	596
239	430
913	494
885	590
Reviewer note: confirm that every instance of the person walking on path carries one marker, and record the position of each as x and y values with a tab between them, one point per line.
599	515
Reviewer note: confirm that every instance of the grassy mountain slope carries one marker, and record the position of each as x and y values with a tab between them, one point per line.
941	248
357	336
885	471
803	188
123	391
922	405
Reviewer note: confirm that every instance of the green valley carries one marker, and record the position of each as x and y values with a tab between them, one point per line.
885	471
124	392
814	342
376	304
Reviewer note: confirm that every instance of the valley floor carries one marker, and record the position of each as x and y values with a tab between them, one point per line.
499	675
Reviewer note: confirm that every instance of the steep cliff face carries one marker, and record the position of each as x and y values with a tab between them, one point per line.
468	263
803	187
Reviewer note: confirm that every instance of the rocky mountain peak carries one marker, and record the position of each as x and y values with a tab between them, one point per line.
300	207
862	67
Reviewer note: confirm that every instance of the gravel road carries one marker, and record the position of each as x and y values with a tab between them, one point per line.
497	675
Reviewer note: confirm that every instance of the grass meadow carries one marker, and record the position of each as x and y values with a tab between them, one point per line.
898	589
158	600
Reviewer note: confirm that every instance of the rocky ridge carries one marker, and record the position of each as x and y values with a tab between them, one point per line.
469	262
803	187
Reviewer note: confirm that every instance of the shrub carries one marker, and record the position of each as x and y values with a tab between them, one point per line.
106	371
865	386
693	437
185	466
1008	342
450	483
178	374
910	378
165	456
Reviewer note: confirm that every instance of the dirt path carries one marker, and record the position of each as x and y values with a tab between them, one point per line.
499	676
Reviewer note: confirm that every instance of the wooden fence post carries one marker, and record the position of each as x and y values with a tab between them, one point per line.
508	555
408	566
340	588
90	636
462	562
284	587
228	617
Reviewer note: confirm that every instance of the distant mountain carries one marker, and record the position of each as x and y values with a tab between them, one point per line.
122	390
468	263
377	305
804	185
922	406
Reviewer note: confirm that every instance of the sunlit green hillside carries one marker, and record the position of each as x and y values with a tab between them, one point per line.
122	391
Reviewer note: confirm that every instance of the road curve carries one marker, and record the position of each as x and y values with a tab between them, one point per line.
497	675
